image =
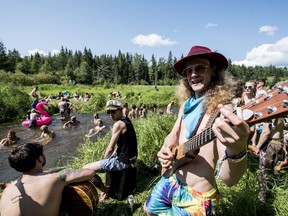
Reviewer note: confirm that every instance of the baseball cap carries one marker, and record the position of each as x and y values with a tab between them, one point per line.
113	105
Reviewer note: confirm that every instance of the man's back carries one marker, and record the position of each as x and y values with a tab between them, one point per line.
33	195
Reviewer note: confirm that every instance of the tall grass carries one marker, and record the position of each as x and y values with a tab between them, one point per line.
241	199
150	135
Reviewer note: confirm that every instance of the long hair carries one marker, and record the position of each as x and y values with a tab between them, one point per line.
23	158
220	90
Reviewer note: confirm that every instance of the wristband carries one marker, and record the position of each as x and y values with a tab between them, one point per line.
232	159
235	158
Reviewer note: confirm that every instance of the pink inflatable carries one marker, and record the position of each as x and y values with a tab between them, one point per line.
45	119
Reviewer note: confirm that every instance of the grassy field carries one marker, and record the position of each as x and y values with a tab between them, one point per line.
241	199
129	93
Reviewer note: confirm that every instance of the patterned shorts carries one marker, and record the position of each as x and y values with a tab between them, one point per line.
171	197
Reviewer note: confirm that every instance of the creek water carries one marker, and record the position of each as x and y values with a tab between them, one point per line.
59	151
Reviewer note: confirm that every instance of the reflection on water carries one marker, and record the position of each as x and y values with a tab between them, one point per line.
59	151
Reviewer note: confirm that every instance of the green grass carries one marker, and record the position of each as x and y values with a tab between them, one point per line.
129	93
241	199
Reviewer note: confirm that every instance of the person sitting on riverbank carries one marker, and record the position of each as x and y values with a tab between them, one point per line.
11	139
124	138
46	133
37	192
72	122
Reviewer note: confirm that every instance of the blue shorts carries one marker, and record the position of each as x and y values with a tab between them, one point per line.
111	164
171	197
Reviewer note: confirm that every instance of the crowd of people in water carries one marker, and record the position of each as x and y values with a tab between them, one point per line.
65	105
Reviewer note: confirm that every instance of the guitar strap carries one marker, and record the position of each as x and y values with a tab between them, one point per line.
209	122
198	124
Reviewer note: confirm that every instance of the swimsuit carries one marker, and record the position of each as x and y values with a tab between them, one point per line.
172	197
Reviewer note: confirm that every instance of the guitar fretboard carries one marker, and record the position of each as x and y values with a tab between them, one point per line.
199	140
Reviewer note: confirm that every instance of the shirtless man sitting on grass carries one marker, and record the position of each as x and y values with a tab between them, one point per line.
37	192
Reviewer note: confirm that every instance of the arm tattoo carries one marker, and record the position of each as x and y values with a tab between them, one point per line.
69	172
63	174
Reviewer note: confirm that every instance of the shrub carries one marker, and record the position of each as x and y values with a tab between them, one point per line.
14	103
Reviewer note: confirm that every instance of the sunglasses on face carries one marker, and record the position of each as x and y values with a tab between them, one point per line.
248	87
111	112
199	69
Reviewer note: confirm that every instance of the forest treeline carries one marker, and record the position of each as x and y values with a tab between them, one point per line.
123	68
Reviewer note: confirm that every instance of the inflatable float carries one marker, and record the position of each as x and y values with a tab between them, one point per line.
45	119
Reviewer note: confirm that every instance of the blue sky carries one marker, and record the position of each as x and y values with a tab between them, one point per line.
250	32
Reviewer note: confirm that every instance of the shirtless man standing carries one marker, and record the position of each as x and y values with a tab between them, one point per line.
192	188
36	192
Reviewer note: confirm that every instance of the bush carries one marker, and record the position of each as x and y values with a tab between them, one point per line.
25	80
14	103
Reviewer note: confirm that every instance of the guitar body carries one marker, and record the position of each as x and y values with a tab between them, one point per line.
180	159
80	198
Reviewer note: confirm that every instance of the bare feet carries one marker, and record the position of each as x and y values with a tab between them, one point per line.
99	184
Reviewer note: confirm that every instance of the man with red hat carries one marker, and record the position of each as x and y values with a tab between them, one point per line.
189	186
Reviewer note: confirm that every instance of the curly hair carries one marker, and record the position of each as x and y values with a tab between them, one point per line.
220	90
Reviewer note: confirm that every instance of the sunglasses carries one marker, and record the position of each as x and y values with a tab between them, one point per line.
248	87
199	69
111	112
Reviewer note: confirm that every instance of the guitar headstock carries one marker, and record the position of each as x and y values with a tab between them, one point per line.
265	108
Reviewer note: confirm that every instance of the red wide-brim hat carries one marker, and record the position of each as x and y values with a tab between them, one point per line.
201	52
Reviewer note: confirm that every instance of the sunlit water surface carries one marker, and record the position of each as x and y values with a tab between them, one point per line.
59	151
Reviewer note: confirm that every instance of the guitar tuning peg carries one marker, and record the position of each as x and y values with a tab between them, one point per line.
285	103
285	88
268	96
271	109
258	114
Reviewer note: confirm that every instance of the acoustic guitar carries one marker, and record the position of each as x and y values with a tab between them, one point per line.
274	105
80	198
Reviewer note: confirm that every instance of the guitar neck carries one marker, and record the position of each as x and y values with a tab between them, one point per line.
199	140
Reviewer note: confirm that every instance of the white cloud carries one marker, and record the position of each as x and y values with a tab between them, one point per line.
55	52
269	30
41	52
151	40
32	52
211	25
267	54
